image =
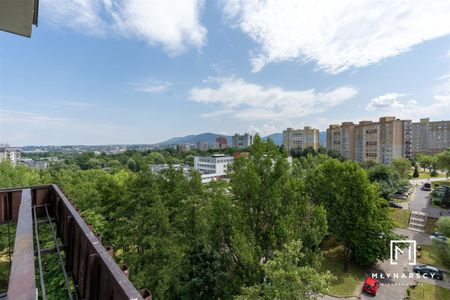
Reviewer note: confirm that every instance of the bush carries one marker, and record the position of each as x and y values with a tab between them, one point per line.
442	251
434	173
437	201
416	172
443	226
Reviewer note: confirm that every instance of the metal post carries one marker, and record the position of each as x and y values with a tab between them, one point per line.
38	246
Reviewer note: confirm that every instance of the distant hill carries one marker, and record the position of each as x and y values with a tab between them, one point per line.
209	137
277	138
193	138
323	138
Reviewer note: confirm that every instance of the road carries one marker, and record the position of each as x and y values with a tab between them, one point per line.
420	200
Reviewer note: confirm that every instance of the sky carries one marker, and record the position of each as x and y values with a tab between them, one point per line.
140	72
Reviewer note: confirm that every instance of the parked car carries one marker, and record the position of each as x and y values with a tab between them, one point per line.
394	205
400	196
371	286
426	186
439	238
429	271
436	233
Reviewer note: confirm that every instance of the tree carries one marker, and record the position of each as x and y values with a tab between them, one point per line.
386	177
289	275
402	166
416	172
443	161
18	176
357	216
271	208
443	225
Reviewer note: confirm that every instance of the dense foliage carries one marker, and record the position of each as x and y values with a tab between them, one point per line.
257	236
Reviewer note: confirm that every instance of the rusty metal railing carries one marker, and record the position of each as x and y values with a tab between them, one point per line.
94	272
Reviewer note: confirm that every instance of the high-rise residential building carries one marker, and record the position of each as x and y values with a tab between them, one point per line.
407	139
242	140
184	147
221	142
202	145
380	141
342	139
430	137
300	138
12	154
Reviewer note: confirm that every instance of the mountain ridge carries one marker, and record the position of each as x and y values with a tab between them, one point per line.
210	137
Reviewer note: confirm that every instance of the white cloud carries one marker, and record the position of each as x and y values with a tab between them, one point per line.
397	104
336	35
151	86
173	24
388	101
248	101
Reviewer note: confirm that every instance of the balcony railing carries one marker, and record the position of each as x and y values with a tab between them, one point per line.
89	270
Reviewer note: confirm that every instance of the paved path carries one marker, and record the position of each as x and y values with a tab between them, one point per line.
420	202
419	237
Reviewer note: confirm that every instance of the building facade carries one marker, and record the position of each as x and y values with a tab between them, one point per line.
184	147
13	154
221	142
381	141
202	145
214	167
342	139
430	137
242	140
300	138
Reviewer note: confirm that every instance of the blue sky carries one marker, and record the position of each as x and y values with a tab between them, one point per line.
102	72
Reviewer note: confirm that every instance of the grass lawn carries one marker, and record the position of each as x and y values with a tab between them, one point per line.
400	217
441	182
429	258
425	291
431	225
346	283
426	175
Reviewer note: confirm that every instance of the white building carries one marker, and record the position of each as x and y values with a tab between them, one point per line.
212	167
12	154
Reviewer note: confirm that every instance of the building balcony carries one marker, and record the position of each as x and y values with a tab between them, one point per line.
88	267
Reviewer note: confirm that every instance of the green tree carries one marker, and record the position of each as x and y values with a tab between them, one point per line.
289	275
416	172
402	166
357	216
443	161
271	208
18	176
443	225
386	177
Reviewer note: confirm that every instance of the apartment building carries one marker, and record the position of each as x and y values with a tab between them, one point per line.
341	138
300	138
184	148
221	142
202	145
430	137
242	140
380	141
13	154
